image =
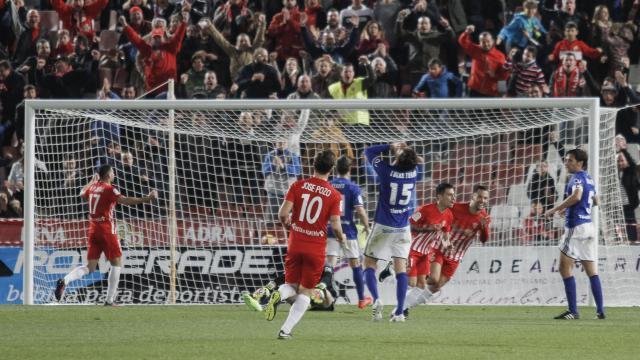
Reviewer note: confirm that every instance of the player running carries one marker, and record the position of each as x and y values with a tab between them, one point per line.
103	197
308	206
579	241
351	200
390	234
469	221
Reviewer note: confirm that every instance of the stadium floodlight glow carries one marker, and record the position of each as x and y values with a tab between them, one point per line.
211	236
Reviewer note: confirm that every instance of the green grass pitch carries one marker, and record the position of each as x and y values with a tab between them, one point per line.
234	332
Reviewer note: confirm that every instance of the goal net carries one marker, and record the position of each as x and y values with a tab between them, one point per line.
222	168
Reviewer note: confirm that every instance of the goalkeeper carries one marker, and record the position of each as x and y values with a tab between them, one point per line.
324	295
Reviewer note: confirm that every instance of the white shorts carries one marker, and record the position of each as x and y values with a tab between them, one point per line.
579	243
385	241
351	249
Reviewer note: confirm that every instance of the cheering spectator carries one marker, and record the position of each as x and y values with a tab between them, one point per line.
558	20
350	87
568	79
64	46
327	73
570	43
193	80
233	18
487	64
525	74
618	93
242	53
424	42
600	25
212	90
629	186
289	77
329	45
385	70
257	80
160	55
163	9
285	30
542	187
26	43
422	8
9	209
11	94
83	57
334	26
77	17
143	5
386	12
137	21
438	82
357	8
370	38
524	29
617	43
303	90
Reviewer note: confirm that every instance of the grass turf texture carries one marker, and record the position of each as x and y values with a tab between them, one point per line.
234	332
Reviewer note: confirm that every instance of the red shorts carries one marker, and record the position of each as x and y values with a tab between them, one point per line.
103	238
418	263
448	266
304	268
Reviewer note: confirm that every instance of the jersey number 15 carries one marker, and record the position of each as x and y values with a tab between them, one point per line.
405	195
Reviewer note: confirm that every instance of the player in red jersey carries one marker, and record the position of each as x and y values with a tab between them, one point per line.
430	224
103	197
312	203
469	220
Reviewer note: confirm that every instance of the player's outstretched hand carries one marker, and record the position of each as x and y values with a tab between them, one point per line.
153	194
550	213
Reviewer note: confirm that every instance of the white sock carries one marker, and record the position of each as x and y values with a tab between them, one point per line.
413	297
76	274
286	291
425	296
295	313
114	278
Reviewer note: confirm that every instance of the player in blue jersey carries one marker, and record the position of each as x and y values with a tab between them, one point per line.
580	240
391	234
351	200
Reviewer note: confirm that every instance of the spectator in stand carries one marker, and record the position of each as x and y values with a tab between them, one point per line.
371	37
568	80
11	94
385	12
424	42
212	90
137	21
600	25
201	40
26	43
303	90
350	87
524	29
328	128
8	210
64	46
163	9
558	20
618	93
525	74
128	92
242	53
133	181
83	57
143	5
534	227
315	15
629	186
438	82
77	17
542	187
334	26
285	31
65	82
570	43
159	57
280	168
289	77
328	43
29	92
257	80
618	42
422	8
357	8
233	18
487	64
327	73
71	179
193	80
12	14
385	77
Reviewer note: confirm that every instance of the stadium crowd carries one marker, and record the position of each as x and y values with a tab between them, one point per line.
304	49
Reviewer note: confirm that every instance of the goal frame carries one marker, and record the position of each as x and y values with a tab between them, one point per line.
31	106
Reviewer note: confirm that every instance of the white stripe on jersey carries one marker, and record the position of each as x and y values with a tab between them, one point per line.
423	242
460	239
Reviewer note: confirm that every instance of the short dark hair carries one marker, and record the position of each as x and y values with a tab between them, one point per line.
407	160
29	87
477	188
579	155
343	165
571	25
434	62
324	162
104	170
347	64
5	64
532	49
442	187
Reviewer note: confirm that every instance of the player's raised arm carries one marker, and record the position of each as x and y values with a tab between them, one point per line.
376	150
283	213
94	179
153	194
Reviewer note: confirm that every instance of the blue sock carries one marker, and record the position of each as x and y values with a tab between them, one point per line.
359	281
372	282
570	290
596	289
401	290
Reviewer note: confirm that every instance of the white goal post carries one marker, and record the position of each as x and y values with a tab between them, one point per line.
211	235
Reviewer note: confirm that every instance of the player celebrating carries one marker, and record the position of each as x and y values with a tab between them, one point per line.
579	241
391	232
312	203
431	226
351	200
469	220
102	196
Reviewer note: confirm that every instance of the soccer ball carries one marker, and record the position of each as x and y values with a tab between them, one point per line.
317	296
261	292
